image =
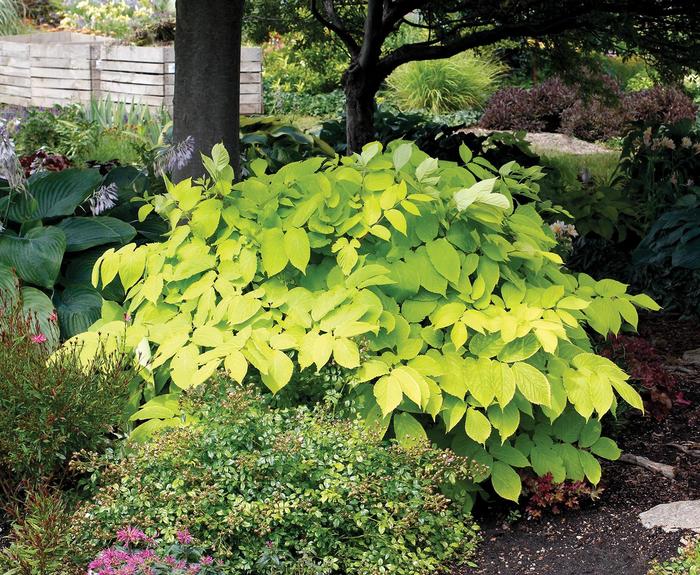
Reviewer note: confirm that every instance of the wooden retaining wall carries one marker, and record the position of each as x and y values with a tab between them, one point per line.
62	67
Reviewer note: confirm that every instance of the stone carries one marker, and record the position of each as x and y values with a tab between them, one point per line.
692	356
673	516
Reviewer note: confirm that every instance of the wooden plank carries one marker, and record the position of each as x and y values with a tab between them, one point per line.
251	54
251	98
251	109
156	101
250	89
49	102
251	66
135	89
74	51
133	53
127	66
14	71
13	100
59	94
12	80
62	83
14	49
132	78
22	63
60	62
13	90
79	74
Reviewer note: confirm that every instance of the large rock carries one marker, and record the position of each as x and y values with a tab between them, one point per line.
673	516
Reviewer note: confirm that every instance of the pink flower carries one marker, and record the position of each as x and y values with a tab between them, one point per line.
184	537
131	535
53	316
207	560
127	317
39	338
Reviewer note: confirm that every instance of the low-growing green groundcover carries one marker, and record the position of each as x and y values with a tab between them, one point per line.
271	491
435	283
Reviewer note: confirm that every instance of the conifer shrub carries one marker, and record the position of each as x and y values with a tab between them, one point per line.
434	283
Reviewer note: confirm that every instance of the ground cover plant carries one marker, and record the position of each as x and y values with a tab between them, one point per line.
687	562
292	490
432	280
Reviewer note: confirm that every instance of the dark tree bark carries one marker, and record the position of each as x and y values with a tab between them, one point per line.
207	78
359	101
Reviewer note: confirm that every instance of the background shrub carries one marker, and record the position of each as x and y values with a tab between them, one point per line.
538	109
51	409
660	105
288	490
439	86
292	64
592	112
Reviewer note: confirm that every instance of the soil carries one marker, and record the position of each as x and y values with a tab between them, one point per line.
607	537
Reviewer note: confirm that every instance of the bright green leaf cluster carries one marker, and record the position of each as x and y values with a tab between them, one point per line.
430	278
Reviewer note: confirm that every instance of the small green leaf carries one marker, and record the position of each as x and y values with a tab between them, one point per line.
274	256
297	249
388	393
477	425
408	430
606	448
505	481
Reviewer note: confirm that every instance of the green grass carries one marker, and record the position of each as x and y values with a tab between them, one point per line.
600	166
686	563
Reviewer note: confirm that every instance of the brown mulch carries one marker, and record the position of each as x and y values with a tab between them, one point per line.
607	538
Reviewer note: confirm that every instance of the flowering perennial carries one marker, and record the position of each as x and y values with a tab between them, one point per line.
139	554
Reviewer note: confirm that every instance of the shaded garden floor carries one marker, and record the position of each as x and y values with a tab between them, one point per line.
607	537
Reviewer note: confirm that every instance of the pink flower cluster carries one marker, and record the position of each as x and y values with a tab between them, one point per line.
128	559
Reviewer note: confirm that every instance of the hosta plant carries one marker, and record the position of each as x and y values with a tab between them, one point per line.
429	278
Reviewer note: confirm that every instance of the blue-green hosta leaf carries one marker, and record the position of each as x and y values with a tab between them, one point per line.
83	233
37	305
54	194
78	308
36	256
8	284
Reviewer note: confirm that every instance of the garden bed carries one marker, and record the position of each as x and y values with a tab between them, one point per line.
608	536
49	68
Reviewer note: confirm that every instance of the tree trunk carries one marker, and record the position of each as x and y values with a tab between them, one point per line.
207	78
359	101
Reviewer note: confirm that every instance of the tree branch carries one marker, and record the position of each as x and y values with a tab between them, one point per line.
332	21
374	35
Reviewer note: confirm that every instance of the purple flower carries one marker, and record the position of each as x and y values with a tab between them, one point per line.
207	560
131	535
104	198
184	537
10	168
174	157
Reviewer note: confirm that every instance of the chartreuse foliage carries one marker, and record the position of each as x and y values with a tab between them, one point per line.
428	277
